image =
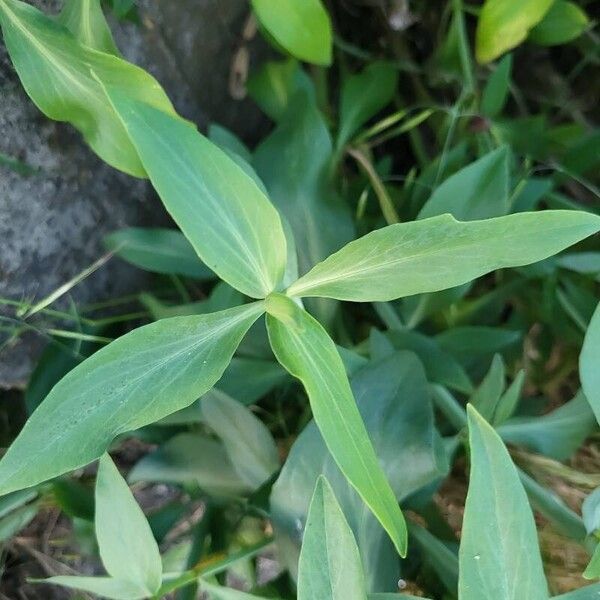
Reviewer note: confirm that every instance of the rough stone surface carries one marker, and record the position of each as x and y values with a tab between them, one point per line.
53	221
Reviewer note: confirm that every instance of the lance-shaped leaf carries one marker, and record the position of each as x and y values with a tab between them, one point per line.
499	553
439	253
62	76
230	222
85	20
330	567
302	27
305	349
589	363
127	547
136	380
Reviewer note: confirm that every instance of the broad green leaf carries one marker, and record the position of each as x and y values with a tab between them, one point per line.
589	364
228	141
499	555
158	250
275	84
558	434
363	95
564	22
440	366
553	508
393	399
580	262
330	567
85	20
62	77
191	458
304	348
136	380
478	191
127	547
497	88
439	253
247	440
294	162
504	24
229	221
486	397
105	587
302	27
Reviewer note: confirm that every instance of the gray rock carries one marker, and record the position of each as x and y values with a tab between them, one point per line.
53	220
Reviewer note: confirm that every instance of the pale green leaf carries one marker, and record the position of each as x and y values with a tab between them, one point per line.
487	395
478	191
591	511
439	253
158	250
363	95
16	520
508	402
63	77
85	20
499	554
589	363
138	379
504	24
557	434
305	349
330	567
189	458
393	399
592	571
105	587
564	22
302	27
248	442
127	547
231	224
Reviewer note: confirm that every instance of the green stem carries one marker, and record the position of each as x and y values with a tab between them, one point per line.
449	406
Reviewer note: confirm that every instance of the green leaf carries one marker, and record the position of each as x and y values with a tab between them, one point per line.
136	380
499	554
302	27
439	253
16	520
564	22
105	587
294	163
217	592
558	434
330	567
363	96
589	592
247	440
191	458
62	77
486	397
504	24
231	224
393	399
497	88
478	191
591	511
552	507
508	402
440	366
592	571
589	362
85	20
303	347
125	541
158	250
275	84
437	554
